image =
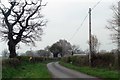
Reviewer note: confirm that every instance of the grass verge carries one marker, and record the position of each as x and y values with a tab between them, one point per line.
27	70
101	73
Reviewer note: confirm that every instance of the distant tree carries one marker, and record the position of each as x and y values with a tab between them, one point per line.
23	54
61	47
21	22
75	49
113	51
43	53
5	53
66	47
47	48
29	53
55	49
86	51
95	44
103	51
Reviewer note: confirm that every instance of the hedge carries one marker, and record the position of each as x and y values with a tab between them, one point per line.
14	62
107	60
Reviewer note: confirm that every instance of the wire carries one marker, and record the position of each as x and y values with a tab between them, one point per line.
96	4
79	27
84	20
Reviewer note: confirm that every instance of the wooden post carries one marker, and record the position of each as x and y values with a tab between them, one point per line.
90	47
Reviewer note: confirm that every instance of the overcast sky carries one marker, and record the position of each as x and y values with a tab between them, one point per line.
65	17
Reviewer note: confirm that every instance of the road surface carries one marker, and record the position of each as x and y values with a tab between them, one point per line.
62	73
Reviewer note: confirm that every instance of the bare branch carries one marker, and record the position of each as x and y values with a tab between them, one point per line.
19	16
32	14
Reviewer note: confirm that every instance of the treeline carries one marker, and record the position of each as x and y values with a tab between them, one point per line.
37	53
60	48
19	60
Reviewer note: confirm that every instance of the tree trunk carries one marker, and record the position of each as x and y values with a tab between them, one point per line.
93	58
61	54
12	49
55	55
72	53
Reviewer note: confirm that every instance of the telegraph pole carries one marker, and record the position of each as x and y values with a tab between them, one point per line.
90	37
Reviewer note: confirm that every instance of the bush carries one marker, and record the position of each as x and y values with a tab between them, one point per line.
66	59
77	60
53	59
105	60
36	59
30	59
119	61
23	58
14	62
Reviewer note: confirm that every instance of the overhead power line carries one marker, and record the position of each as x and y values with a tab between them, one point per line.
84	19
96	5
79	27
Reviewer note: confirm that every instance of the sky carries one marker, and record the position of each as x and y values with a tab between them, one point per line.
65	17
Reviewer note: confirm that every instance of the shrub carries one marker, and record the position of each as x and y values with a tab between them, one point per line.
23	58
14	62
53	59
104	60
77	60
36	59
66	59
119	60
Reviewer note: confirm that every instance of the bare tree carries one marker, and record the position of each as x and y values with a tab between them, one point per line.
94	43
115	28
21	22
115	25
75	49
94	48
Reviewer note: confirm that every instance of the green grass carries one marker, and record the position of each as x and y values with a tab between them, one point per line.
27	70
101	73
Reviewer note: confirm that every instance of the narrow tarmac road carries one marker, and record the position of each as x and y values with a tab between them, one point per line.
61	73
